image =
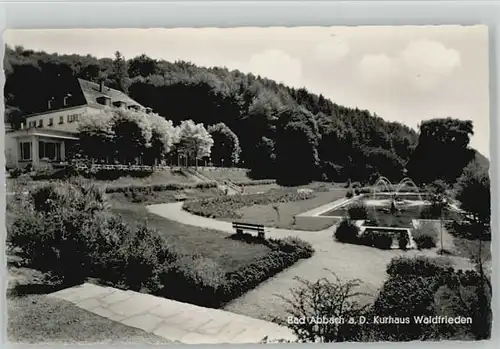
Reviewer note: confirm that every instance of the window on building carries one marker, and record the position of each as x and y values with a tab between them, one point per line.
49	150
32	124
25	150
61	119
51	121
40	123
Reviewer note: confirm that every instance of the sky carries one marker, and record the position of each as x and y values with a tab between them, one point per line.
405	73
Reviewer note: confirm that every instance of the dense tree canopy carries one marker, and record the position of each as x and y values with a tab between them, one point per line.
442	151
338	142
226	148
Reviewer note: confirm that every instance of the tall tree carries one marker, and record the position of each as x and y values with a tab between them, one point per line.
473	193
96	136
296	146
120	73
193	140
442	151
226	149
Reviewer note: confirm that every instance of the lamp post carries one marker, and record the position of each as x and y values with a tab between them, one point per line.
442	205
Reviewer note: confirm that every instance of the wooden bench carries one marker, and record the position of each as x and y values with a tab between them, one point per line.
180	197
240	227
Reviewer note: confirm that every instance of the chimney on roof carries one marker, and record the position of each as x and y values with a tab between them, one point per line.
49	103
101	86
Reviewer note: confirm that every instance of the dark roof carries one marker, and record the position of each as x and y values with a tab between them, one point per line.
91	92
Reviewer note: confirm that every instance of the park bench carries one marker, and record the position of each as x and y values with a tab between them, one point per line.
180	197
240	227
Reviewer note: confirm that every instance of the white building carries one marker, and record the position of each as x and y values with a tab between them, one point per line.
45	137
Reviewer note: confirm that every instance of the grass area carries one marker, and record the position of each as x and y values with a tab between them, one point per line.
229	254
233	175
42	319
256	189
266	214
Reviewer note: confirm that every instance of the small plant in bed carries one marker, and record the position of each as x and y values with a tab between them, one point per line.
425	236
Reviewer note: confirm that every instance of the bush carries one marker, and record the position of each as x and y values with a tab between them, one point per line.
325	298
403	240
358	211
160	187
417	266
65	231
349	194
425	241
255	182
425	236
377	239
356	191
347	232
15	172
364	190
356	185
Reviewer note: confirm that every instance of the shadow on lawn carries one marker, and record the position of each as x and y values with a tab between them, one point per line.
21	290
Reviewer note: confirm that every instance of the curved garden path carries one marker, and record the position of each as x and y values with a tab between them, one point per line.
347	261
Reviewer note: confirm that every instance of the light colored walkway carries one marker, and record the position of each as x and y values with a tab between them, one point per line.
346	260
327	207
174	321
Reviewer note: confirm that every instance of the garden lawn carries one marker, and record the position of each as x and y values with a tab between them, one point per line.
229	254
266	214
226	174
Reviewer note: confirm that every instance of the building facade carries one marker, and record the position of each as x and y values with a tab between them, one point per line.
45	137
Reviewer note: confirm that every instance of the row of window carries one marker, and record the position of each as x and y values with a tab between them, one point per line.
70	118
49	150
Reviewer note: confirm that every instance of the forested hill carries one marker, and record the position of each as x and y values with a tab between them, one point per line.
280	129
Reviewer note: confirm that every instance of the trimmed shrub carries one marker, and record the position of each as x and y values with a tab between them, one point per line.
160	187
425	236
425	241
349	194
417	266
358	211
377	239
403	240
347	232
254	182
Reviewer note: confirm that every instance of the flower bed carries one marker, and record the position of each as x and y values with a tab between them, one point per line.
226	206
159	187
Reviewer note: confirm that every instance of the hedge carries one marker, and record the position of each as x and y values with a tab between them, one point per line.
160	187
254	182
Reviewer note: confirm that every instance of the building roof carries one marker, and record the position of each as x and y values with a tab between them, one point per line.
44	132
91	92
84	92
